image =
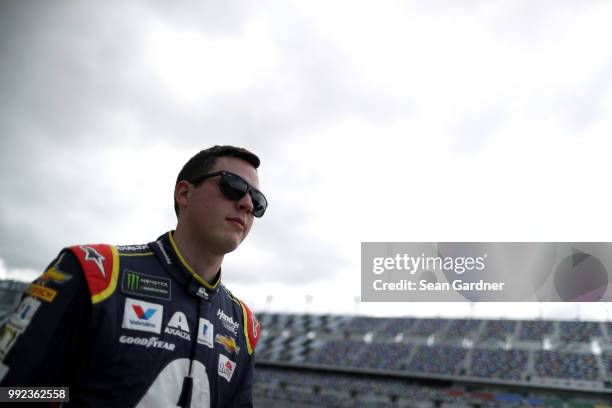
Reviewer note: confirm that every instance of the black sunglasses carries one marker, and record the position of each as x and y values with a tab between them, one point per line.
235	187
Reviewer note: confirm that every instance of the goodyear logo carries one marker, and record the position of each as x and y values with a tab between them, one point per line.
41	292
136	283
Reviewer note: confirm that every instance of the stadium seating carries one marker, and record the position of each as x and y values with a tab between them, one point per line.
383	356
536	330
400	352
437	359
497	363
329	389
496	349
566	365
499	329
428	327
463	328
580	331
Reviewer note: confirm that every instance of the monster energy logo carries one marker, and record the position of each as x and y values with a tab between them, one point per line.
132	281
140	284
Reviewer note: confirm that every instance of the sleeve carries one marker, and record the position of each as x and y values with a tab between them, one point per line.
244	397
251	325
42	341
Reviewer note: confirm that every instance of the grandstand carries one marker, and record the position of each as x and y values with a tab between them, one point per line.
307	361
10	293
346	361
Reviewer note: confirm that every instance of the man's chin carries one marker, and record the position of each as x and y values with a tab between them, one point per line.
229	245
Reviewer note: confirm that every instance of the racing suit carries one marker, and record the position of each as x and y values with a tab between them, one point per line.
131	326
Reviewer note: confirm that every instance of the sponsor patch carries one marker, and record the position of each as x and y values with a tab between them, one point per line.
94	256
163	251
24	313
41	292
226	367
8	335
135	283
178	326
228	322
133	248
202	293
205	332
229	343
151	342
143	316
255	324
53	275
252	328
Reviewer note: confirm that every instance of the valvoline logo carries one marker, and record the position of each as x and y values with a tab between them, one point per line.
143	315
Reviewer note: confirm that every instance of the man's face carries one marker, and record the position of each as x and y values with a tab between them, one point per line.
220	224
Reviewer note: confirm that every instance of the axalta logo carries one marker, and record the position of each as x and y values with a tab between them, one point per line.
151	342
226	367
143	316
228	322
178	326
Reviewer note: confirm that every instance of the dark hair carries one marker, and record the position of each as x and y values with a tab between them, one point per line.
201	163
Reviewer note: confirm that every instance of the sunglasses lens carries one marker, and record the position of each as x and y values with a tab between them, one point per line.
259	203
234	188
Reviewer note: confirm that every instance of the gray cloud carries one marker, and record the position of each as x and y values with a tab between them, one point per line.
68	68
72	71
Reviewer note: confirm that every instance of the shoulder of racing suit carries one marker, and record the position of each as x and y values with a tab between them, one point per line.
251	323
100	265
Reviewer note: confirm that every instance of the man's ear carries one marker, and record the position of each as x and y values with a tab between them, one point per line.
181	192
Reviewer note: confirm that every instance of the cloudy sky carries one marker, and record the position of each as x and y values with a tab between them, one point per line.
375	121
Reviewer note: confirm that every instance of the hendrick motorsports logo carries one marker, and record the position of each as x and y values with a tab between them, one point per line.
228	322
145	285
151	342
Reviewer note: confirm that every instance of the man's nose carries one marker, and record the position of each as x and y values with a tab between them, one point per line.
246	203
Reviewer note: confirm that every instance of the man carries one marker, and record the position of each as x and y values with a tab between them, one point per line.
148	325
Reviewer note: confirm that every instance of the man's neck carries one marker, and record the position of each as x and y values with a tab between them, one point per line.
204	264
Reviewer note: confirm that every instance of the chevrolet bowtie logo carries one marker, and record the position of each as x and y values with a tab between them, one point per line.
92	255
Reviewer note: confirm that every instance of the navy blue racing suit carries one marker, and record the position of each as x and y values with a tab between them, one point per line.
131	326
